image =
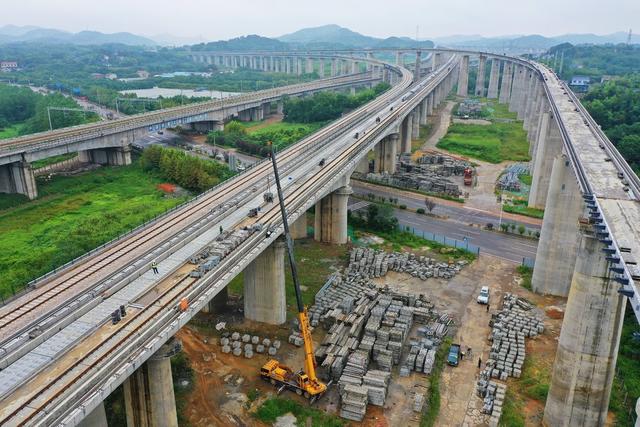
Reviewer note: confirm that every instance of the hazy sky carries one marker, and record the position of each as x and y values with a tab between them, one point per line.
216	19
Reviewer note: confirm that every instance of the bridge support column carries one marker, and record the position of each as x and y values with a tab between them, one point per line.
482	61
423	111
492	92
399	58
585	361
558	246
505	85
244	115
334	67
148	392
217	303
264	293
415	129
548	147
463	77
385	154
516	88
530	102
435	60
299	227
331	217
416	71
18	178
430	104
96	418
309	67
321	71
406	130
363	166
527	82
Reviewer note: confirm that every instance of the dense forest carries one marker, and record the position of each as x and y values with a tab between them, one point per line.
325	106
615	106
594	60
26	111
183	169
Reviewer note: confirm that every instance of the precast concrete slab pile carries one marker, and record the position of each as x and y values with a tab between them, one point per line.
493	394
368	327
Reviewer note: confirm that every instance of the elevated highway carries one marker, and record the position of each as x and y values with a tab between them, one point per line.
62	356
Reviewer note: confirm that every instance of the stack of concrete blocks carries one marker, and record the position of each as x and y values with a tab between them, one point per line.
354	402
431	174
510	326
377	383
370	263
493	394
418	402
211	255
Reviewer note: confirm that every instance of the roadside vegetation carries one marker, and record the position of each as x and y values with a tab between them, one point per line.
519	206
526	273
72	216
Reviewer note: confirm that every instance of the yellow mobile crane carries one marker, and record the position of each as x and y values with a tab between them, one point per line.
303	382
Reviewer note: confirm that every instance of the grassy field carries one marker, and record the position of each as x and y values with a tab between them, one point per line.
10	132
284	133
51	160
314	260
520	207
274	407
492	143
72	216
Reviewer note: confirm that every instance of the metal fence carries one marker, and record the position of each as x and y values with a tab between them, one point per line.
528	262
448	241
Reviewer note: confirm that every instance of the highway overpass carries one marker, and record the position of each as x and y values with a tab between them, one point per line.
62	357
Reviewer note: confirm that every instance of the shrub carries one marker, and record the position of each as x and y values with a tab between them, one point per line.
420	211
403	206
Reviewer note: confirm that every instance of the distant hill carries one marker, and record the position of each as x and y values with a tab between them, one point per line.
533	41
12	34
245	43
335	36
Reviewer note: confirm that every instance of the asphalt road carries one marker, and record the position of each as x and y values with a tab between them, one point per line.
452	211
508	247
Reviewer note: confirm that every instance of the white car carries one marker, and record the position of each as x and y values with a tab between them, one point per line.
483	298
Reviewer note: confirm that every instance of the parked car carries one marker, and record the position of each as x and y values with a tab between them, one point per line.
454	355
483	298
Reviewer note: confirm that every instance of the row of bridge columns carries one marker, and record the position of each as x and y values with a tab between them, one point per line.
148	392
570	260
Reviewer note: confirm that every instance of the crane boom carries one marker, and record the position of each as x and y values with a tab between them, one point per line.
309	358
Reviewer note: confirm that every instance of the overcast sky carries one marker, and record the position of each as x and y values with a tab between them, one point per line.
217	19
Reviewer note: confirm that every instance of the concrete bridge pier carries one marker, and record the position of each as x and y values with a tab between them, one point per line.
400	58
494	77
463	77
264	293
112	156
480	76
516	88
148	392
218	303
505	84
558	246
585	361
405	132
415	129
423	110
436	60
416	70
18	178
96	418
299	227
331	217
533	98
321	71
309	67
385	154
430	104
334	67
548	147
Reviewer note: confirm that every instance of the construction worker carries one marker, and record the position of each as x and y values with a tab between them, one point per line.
479	362
220	229
154	266
487	307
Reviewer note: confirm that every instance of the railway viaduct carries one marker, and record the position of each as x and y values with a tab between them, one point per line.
588	251
110	142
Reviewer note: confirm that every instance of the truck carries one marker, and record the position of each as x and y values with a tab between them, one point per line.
453	359
468	176
303	382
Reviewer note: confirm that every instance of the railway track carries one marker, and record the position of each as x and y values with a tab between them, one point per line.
154	311
145	119
16	319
